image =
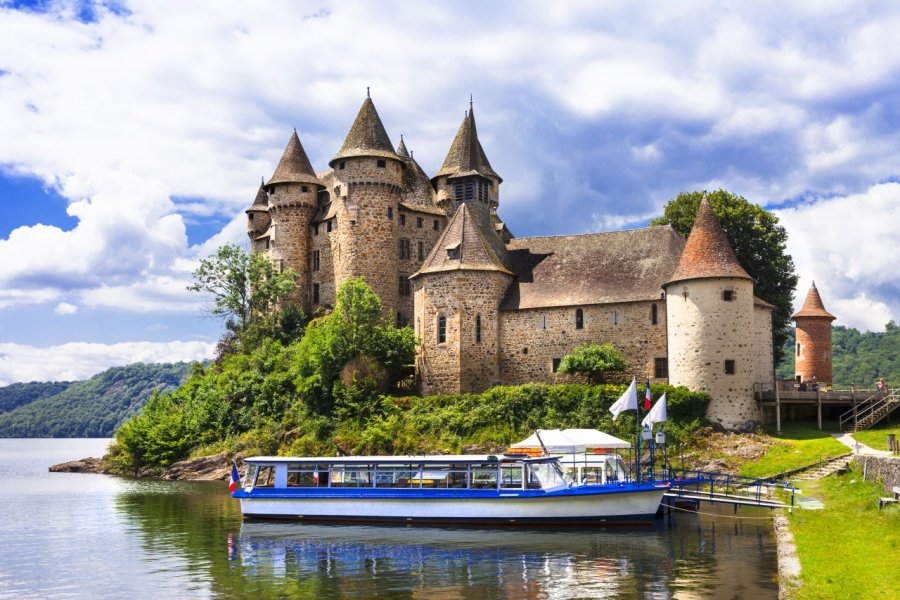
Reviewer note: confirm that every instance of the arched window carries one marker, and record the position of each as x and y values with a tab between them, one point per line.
441	329
579	318
654	314
477	329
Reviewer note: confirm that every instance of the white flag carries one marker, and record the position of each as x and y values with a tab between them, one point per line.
657	414
628	400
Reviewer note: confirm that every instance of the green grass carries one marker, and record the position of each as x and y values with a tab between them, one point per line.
797	445
877	436
850	548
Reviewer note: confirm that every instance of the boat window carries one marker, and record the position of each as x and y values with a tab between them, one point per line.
548	475
307	475
511	476
484	476
351	476
396	476
265	476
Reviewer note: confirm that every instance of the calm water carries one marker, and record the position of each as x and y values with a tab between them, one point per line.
94	536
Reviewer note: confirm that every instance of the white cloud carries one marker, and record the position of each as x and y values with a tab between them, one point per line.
64	308
77	361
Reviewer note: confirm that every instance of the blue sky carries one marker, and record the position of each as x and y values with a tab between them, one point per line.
133	137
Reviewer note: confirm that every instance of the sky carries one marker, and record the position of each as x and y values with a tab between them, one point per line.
133	136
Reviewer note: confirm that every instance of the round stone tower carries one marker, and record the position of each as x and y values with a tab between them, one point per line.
258	219
709	311
293	191
367	183
813	350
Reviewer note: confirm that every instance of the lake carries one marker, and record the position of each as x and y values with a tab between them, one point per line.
67	535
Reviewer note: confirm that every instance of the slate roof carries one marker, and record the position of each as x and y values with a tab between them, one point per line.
475	253
401	148
367	136
294	166
707	252
813	306
466	156
261	202
593	268
416	187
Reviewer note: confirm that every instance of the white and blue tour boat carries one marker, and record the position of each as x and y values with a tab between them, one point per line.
502	489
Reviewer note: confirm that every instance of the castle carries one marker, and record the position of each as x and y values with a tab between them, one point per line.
490	308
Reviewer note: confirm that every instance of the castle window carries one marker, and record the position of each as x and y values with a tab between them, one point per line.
464	191
401	218
304	188
421	249
316	229
615	317
342	165
544	322
437	224
403	248
477	329
579	318
266	244
524	350
654	314
315	293
250	216
419	222
728	295
453	251
441	329
403	281
337	190
661	367
315	260
390	213
730	368
554	365
381	163
798	348
328	227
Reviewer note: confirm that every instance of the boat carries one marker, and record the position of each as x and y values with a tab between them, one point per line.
501	489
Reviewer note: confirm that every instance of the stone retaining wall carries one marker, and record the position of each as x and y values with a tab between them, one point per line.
884	468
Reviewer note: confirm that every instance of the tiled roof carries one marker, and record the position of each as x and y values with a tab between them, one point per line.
466	156
416	185
367	136
707	252
294	166
757	301
261	202
594	268
813	306
473	251
423	208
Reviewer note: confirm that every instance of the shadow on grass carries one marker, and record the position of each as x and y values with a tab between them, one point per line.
802	430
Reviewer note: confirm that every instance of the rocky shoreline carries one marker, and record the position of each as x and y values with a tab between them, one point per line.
203	468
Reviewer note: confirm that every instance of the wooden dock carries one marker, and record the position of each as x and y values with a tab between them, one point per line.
787	395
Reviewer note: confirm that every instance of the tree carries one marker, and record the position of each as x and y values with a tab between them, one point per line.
595	361
759	243
244	287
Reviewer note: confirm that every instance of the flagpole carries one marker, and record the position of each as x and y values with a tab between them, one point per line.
637	423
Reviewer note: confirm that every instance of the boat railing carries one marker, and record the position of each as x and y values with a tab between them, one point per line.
730	489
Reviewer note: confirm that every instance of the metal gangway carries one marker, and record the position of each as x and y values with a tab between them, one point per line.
725	488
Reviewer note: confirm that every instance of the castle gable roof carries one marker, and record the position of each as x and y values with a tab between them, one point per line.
261	202
367	136
294	166
468	245
416	188
594	268
707	252
813	306
466	156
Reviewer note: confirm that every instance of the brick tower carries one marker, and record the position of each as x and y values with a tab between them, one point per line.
292	192
367	181
813	351
709	310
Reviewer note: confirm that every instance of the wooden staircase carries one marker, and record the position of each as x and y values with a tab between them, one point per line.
870	412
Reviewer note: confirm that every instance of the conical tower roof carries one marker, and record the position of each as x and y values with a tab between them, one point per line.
463	239
707	252
367	136
813	307
416	185
401	149
294	166
261	202
466	156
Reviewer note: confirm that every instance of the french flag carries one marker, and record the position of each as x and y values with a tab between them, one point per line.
647	396
235	479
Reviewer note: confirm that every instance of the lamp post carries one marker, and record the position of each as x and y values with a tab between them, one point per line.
647	436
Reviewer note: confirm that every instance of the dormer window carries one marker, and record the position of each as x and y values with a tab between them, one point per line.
453	251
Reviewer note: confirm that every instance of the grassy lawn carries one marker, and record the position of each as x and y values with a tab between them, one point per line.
797	445
850	548
877	436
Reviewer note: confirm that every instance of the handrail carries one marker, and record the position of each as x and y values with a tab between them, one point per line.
870	406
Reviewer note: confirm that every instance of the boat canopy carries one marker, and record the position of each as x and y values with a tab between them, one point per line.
570	441
436	458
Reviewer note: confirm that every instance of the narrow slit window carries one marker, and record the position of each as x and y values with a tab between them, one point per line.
579	318
441	329
477	329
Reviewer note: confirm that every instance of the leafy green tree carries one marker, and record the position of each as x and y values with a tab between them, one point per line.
759	243
244	287
596	361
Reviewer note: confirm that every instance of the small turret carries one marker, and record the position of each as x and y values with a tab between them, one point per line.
813	351
258	218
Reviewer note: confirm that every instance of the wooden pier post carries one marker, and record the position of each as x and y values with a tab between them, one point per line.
777	407
819	405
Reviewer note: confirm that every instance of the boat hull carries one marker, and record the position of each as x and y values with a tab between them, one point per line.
577	506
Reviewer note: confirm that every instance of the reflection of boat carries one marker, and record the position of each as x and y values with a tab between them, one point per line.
474	489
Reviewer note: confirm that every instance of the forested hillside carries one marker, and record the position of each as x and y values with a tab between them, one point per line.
92	408
858	358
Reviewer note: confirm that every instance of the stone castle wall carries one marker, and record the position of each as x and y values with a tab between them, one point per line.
422	230
705	331
530	340
763	367
813	350
291	207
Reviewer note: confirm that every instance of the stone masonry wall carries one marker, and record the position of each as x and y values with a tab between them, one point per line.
763	367
884	468
327	244
705	331
419	227
292	206
531	339
814	344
